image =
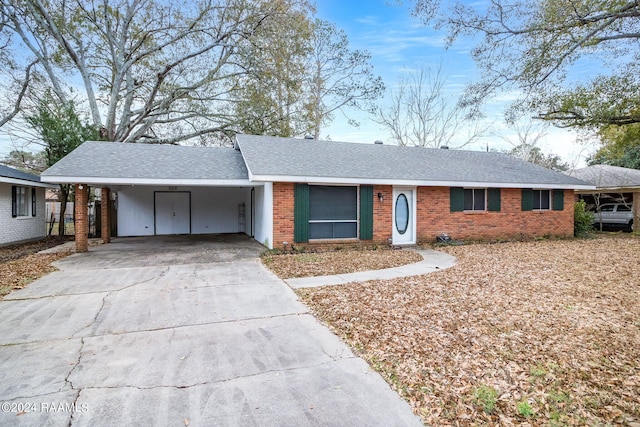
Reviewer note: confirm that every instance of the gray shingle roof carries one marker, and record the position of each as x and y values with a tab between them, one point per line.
308	159
8	172
605	176
149	161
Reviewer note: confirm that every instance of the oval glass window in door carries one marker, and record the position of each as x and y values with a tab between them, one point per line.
402	214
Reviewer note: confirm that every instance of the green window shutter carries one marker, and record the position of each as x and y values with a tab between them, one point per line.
558	200
33	202
456	197
14	201
493	199
366	212
300	213
527	199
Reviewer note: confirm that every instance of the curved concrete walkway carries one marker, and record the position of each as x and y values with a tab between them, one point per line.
431	261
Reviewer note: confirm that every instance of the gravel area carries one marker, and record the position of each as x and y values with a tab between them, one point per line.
543	333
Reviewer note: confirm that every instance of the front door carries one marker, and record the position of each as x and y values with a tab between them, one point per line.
404	232
173	212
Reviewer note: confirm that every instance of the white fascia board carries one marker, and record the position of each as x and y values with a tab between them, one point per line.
148	181
415	183
26	183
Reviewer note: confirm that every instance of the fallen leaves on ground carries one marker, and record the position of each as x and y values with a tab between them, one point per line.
21	265
541	333
287	266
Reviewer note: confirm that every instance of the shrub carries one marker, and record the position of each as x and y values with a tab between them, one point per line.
582	219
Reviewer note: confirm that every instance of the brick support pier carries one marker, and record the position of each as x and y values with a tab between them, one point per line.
636	211
105	225
82	218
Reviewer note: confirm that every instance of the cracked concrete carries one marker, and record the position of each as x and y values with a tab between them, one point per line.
156	331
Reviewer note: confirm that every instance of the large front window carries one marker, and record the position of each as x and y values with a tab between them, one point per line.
333	212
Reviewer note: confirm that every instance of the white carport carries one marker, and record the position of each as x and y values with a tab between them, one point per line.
168	189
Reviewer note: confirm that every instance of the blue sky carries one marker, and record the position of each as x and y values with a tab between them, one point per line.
397	41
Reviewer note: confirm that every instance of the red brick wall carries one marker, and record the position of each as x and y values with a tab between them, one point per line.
282	213
82	218
382	212
434	216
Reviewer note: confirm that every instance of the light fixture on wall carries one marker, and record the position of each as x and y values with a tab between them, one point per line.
380	197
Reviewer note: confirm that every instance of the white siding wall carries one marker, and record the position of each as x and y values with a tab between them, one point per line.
21	228
213	210
264	215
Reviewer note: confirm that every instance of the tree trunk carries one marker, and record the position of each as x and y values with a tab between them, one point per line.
64	196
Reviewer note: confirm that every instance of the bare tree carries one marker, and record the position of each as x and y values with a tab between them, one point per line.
338	76
420	113
148	70
532	46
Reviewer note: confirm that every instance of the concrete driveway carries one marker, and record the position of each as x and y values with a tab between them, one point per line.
178	331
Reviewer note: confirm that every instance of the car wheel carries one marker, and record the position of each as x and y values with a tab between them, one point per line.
631	225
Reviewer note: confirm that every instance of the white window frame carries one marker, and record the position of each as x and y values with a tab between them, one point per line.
26	201
474	199
539	208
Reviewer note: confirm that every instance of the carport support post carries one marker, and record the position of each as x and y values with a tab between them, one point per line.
82	218
636	211
105	221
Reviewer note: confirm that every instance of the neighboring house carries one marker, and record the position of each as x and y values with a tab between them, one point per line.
303	191
613	184
22	206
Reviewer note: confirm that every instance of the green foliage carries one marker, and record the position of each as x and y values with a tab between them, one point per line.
582	219
60	128
486	398
524	409
620	146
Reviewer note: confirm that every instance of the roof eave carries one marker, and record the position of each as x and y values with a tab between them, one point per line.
414	183
25	182
102	181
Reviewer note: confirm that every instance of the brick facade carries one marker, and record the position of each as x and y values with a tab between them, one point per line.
434	216
282	213
105	217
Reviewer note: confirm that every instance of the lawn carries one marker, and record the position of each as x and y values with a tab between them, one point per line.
22	264
520	333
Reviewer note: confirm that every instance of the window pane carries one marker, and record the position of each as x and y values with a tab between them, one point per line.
545	199
623	208
23	203
333	203
478	199
333	230
607	208
468	199
321	230
402	214
536	199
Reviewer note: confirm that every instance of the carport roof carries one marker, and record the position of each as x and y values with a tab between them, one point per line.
303	160
606	177
147	164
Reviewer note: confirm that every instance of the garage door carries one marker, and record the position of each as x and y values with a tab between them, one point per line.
173	212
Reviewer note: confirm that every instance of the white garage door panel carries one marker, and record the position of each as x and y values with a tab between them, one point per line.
173	212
